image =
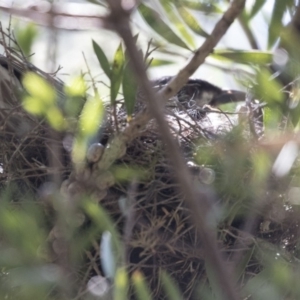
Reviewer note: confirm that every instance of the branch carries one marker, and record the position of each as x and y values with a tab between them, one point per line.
119	18
65	19
207	47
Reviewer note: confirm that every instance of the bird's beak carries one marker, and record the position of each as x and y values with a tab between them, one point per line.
228	96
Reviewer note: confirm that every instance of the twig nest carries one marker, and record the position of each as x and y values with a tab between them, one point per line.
95	152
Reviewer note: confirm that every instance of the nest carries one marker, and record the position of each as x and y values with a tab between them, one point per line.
157	231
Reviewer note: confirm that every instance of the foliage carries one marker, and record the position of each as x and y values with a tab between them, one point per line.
48	233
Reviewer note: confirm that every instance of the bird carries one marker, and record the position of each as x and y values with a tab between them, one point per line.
197	93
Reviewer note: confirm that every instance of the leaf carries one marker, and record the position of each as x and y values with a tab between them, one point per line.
102	59
101	218
207	7
121	285
76	87
116	74
140	287
25	37
191	21
258	4
160	62
34	105
39	88
176	21
98	2
107	255
261	287
267	89
276	25
158	25
244	57
241	267
55	118
91	116
212	279
129	90
170	287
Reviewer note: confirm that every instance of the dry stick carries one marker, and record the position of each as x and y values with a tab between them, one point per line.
197	201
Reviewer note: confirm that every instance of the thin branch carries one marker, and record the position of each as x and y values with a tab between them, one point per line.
63	20
207	47
249	34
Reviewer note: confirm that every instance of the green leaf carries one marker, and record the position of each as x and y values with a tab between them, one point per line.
39	88
116	74
91	116
76	87
201	6
140	287
170	287
158	25
191	21
267	89
160	62
34	105
55	118
121	285
102	59
244	57
240	269
212	279
101	218
261	286
176	21
129	90
258	4
276	25
25	36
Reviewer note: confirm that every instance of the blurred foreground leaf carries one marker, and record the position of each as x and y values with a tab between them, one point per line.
39	88
121	285
157	24
276	23
160	62
191	21
76	87
268	89
170	287
140	286
244	57
204	6
258	4
91	116
25	36
176	21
